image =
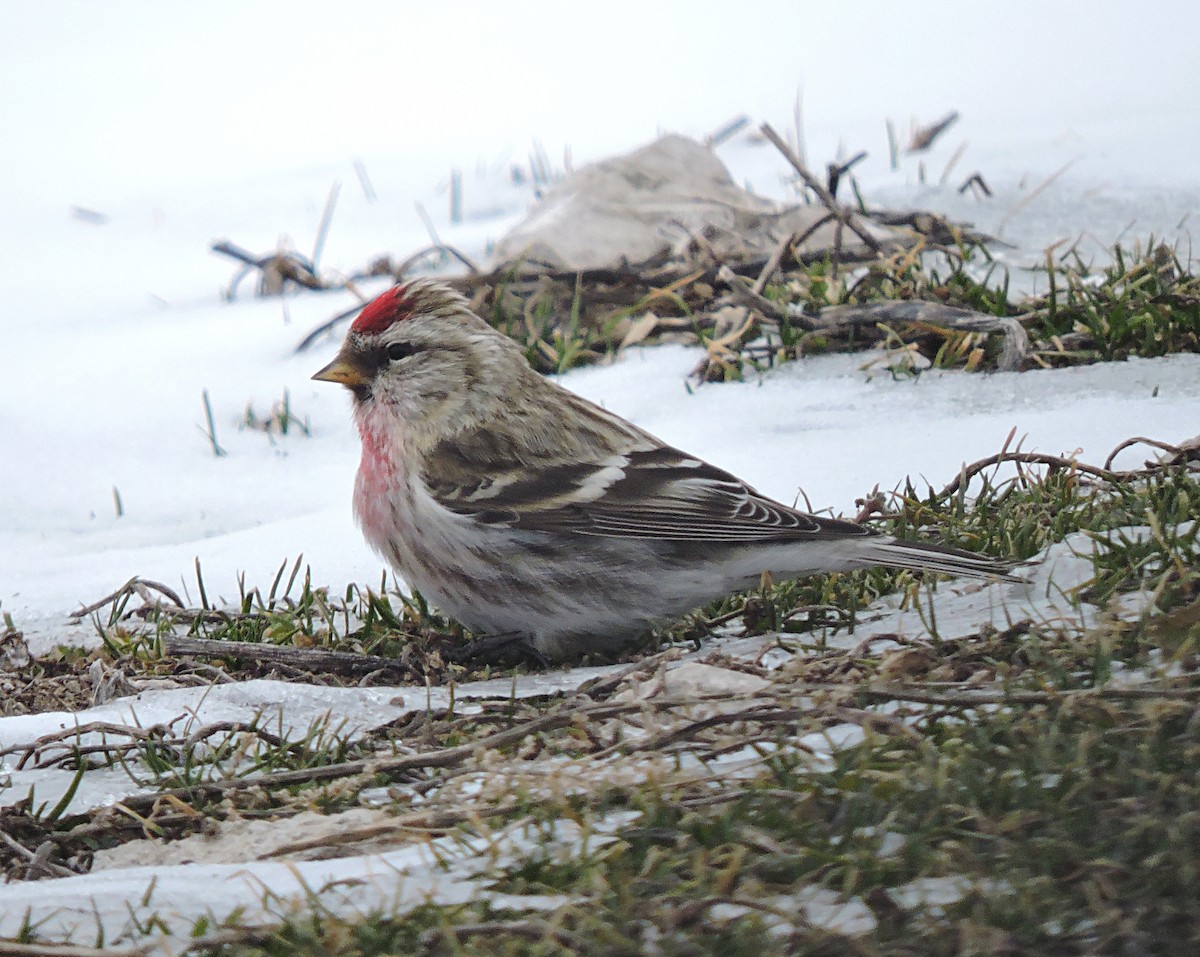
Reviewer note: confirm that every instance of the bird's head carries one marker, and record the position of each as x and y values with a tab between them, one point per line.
418	350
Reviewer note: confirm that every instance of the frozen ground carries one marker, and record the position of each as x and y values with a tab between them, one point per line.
180	127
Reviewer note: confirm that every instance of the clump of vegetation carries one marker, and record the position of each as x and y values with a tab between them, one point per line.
280	420
1144	302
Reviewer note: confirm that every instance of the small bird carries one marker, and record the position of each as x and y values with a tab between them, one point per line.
521	509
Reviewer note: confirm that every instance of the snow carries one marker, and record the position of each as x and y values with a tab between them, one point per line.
183	126
289	710
443	869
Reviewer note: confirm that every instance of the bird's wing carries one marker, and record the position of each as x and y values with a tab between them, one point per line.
649	491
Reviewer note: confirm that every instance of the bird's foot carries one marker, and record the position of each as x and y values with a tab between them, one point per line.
507	648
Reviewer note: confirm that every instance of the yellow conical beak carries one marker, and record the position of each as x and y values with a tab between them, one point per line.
347	373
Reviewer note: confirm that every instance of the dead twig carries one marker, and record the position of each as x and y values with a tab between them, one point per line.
746	295
139	586
276	270
976	181
94	727
952	162
775	260
971	699
1034	194
1016	346
835	171
726	131
798	239
327	326
306	659
1181	453
923	136
840	212
1055	462
405	265
326	222
39	864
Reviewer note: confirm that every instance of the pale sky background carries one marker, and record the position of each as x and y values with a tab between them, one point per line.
103	100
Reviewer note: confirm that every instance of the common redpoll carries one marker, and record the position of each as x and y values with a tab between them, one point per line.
519	508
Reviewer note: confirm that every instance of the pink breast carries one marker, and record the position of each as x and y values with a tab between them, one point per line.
380	480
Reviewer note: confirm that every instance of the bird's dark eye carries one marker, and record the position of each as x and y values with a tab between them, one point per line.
400	350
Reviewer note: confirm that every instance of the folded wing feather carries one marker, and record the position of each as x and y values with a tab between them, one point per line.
649	492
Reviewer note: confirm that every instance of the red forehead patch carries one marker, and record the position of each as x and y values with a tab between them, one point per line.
378	314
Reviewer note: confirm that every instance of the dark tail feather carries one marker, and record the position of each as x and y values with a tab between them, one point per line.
926	556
